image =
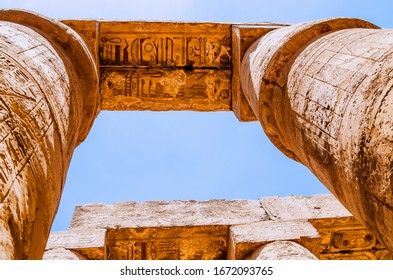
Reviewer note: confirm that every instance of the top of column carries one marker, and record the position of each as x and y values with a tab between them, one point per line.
267	62
72	49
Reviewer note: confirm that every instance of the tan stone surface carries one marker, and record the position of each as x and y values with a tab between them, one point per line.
43	117
322	92
88	30
62	254
247	238
346	238
273	230
167	243
165	214
303	207
265	65
282	250
161	66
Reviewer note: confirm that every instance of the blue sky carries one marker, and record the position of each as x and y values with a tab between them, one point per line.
186	155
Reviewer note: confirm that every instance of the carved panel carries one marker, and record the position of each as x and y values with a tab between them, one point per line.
18	94
345	238
167	243
159	89
165	66
158	44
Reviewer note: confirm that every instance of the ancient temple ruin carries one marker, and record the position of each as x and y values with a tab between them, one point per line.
278	228
321	90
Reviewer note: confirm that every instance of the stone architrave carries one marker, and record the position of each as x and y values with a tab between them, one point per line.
48	101
323	94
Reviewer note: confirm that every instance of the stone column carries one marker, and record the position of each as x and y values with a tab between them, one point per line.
323	94
282	250
48	102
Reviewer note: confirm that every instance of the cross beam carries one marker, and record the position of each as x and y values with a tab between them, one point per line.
163	66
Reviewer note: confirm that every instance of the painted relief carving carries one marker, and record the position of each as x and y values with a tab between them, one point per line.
153	44
175	243
165	66
166	90
171	50
345	238
352	239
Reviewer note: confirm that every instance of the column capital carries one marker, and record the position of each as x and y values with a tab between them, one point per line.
265	67
73	50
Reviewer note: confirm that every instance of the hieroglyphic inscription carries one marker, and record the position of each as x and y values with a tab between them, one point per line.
176	243
351	239
17	90
144	250
158	89
155	44
345	238
165	66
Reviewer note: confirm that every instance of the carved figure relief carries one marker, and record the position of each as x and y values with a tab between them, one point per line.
345	238
159	66
166	89
172	50
176	243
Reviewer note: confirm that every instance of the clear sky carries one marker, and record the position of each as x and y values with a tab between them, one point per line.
168	156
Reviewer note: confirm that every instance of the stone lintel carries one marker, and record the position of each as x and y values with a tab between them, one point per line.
244	239
282	250
346	238
167	243
162	66
63	254
89	243
216	229
167	214
303	207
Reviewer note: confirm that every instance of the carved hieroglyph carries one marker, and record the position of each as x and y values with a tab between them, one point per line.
323	93
43	116
167	243
165	66
161	66
345	238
